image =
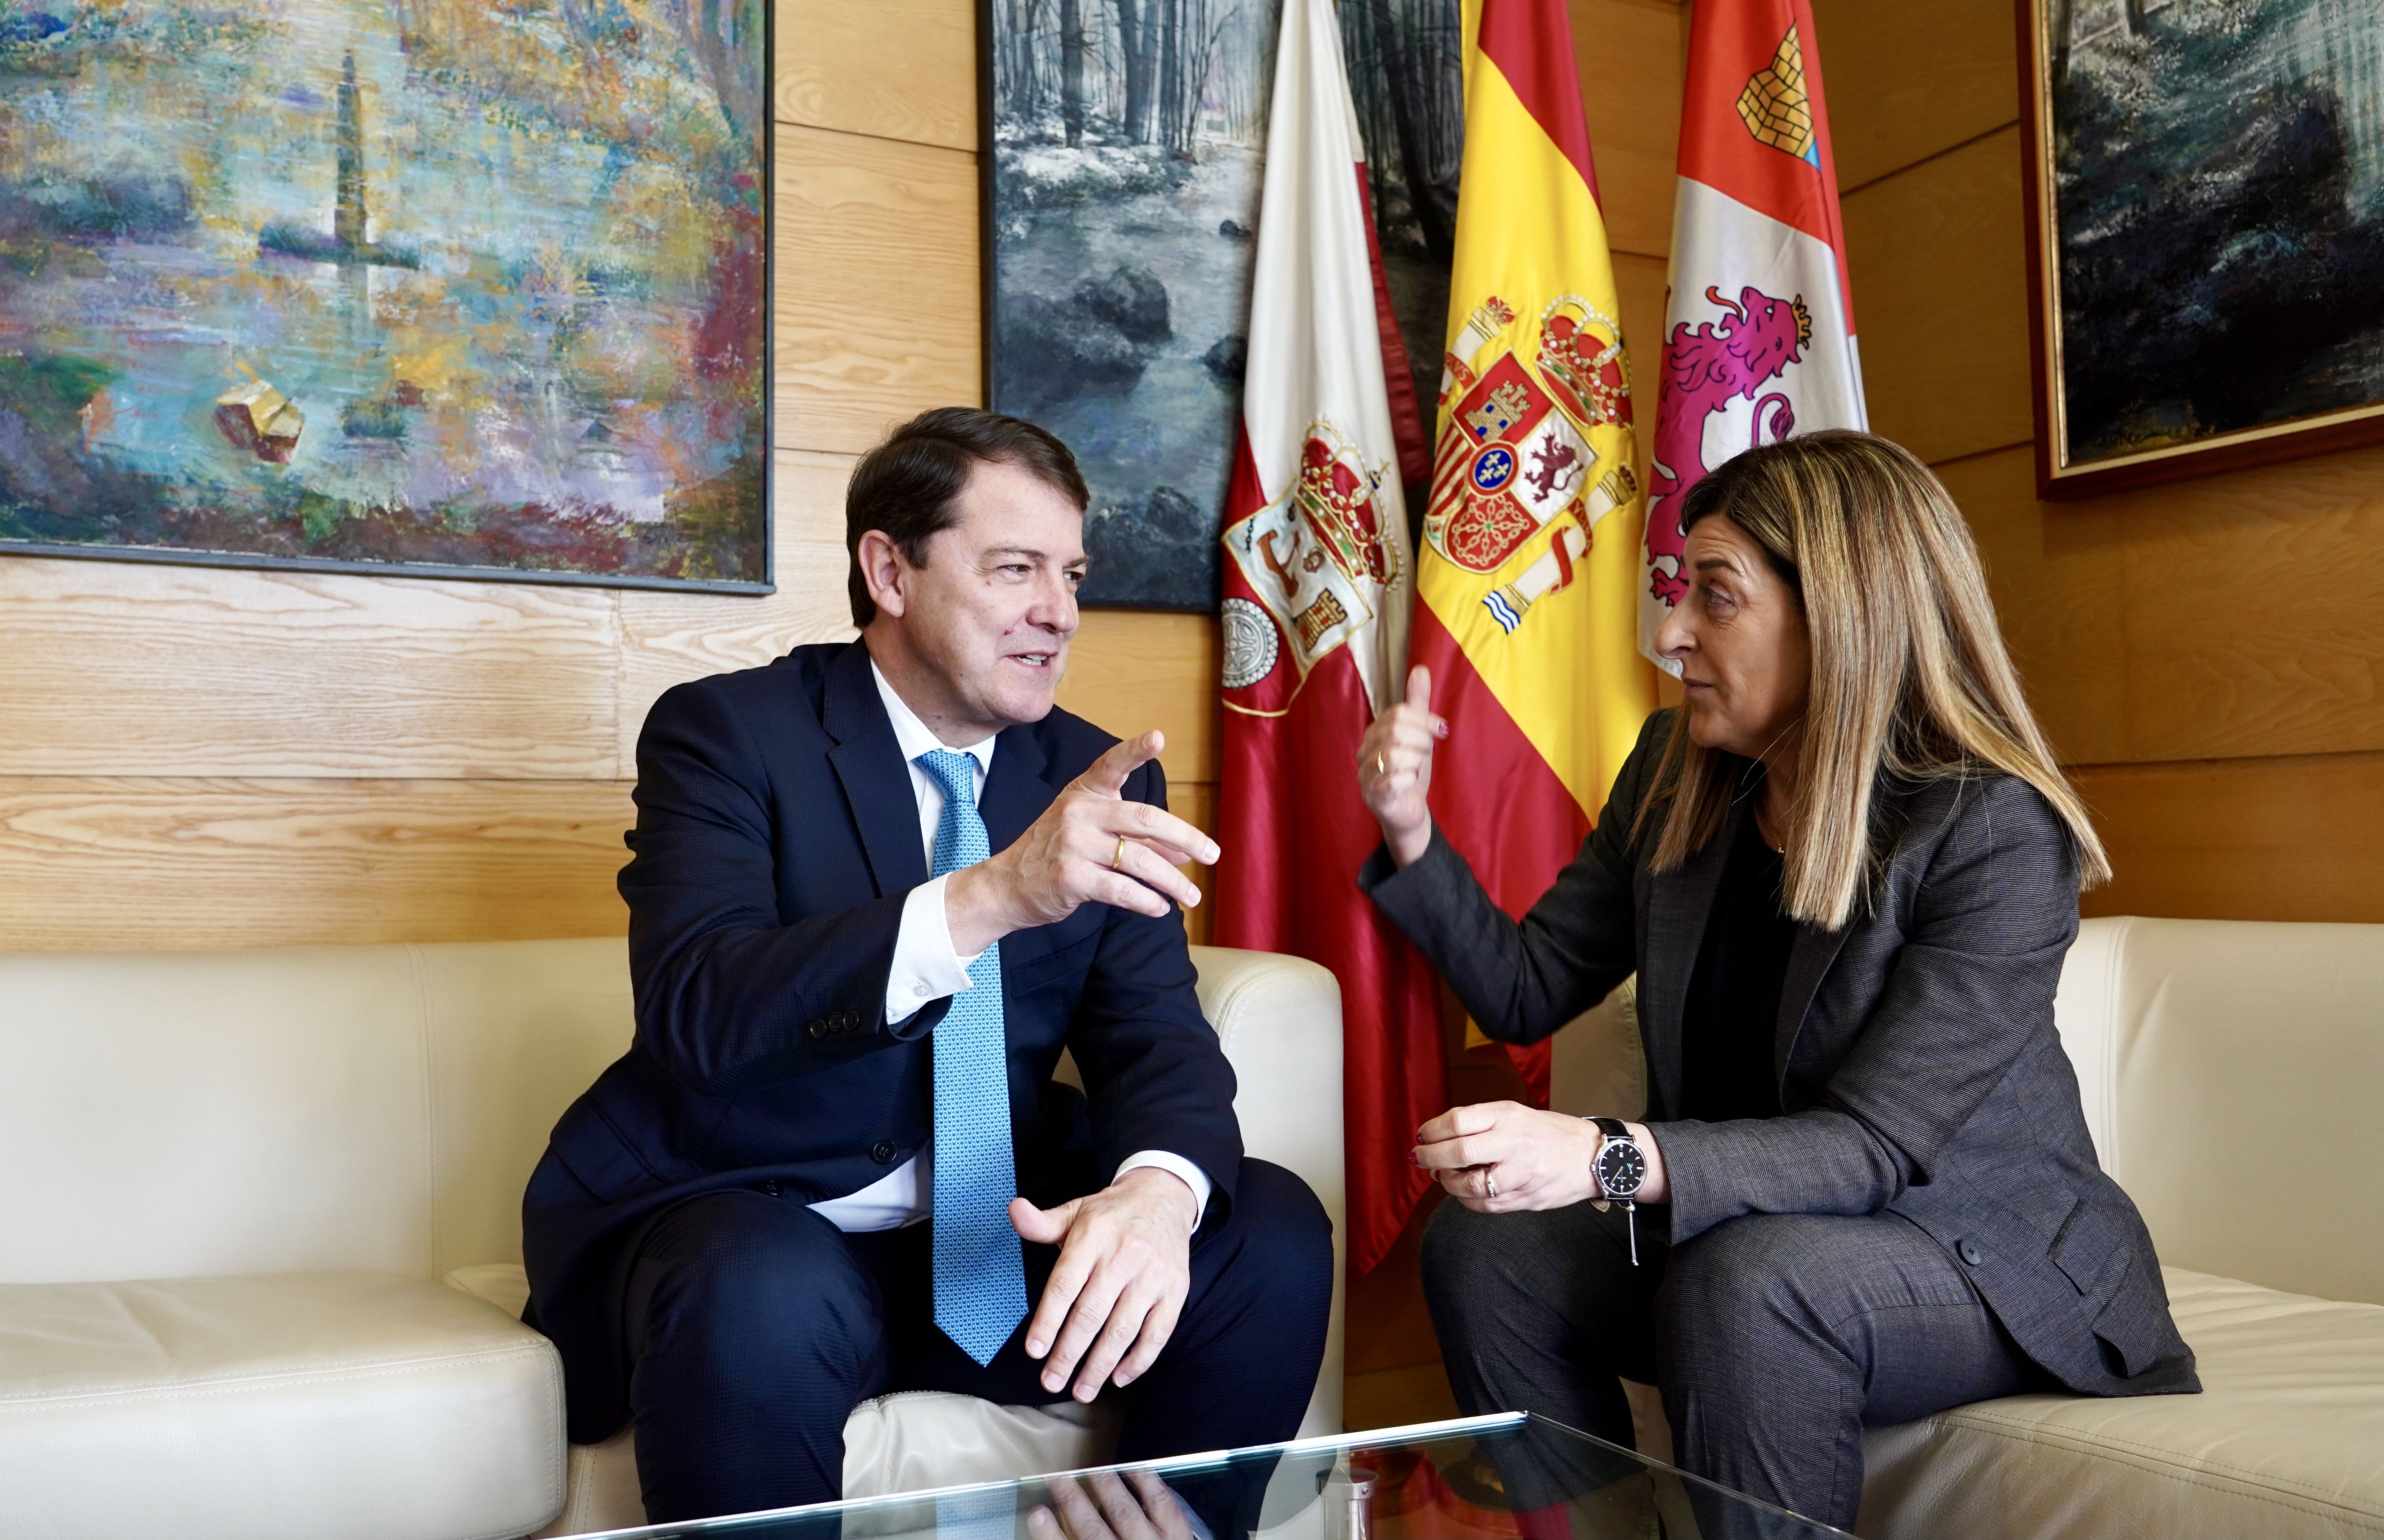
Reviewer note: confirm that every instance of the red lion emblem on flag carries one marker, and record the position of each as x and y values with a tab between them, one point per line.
1704	371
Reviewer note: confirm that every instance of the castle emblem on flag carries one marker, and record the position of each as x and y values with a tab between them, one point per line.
1775	107
1517	456
1316	559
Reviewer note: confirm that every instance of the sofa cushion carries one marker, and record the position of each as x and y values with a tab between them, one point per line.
266	1405
2286	1440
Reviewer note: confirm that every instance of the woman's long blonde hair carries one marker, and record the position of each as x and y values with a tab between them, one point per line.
1910	677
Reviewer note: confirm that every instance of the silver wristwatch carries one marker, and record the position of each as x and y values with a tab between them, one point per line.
1620	1168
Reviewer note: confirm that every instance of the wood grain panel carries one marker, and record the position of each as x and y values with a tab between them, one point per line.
1629	56
894	68
2291	839
1639	289
161	863
1131	670
876	304
2255	612
1906	82
2059	583
123	668
2237	617
668	638
1941	299
1196	803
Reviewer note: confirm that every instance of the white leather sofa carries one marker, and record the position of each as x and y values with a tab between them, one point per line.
260	1240
2233	1078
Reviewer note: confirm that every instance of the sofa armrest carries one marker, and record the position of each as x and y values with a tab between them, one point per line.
1279	1021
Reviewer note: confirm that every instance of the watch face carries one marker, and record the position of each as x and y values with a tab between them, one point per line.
1620	1168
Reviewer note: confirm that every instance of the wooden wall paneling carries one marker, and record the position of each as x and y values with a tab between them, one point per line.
1627	53
902	69
875	315
2236	616
2298	838
1906	82
2256	611
120	668
1196	803
1639	288
169	863
1941	301
2059	583
1132	670
668	638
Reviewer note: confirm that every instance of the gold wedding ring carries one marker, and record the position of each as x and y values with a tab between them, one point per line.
1117	857
1381	763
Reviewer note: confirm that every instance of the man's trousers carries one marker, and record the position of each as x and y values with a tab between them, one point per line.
756	1326
1775	1338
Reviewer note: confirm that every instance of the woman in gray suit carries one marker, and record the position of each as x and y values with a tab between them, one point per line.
1845	871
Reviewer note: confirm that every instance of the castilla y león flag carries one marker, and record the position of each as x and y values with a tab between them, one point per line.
1317	585
1525	591
1760	330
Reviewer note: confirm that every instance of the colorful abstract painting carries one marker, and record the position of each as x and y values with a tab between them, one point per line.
456	287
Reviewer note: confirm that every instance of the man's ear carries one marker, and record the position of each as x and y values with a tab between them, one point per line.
882	570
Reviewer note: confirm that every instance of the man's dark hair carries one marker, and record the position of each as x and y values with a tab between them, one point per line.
909	487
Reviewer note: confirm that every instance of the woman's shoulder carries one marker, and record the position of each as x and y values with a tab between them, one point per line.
1964	815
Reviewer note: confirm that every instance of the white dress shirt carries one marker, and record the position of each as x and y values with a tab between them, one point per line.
926	969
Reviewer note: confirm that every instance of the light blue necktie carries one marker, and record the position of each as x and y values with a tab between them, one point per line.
980	1283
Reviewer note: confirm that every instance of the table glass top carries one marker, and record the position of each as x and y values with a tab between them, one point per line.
1484	1478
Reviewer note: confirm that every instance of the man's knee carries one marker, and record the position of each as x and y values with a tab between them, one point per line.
1287	1236
754	1284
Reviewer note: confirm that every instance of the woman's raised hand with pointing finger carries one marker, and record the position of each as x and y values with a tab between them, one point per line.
1394	768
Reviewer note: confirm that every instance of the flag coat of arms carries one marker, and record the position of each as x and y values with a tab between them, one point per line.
1526	589
1318	585
1759	325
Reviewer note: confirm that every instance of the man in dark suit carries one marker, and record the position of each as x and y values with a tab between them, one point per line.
876	889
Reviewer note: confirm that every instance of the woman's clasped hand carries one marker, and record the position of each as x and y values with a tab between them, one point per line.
1502	1157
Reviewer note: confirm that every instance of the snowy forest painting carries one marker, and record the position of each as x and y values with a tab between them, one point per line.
1129	142
2215	171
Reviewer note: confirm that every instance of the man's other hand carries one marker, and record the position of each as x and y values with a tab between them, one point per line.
1104	1507
1125	1266
1091	845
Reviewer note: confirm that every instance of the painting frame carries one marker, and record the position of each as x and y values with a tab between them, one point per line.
764	585
2058	478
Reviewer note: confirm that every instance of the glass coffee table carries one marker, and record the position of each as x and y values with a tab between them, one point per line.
1479	1478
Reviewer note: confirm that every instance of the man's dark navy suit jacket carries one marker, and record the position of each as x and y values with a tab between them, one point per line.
777	835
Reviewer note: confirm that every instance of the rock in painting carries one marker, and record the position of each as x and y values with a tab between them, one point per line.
260	419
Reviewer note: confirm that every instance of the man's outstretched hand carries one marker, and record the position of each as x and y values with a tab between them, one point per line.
1139	1506
1125	1266
1091	845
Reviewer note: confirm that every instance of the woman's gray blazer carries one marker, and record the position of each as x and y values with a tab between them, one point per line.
1919	1069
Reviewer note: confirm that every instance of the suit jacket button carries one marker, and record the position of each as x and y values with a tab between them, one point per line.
770	1189
815	1030
882	1152
847	1021
1969	1252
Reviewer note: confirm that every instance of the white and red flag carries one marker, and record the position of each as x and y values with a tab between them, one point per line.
1759	326
1318	584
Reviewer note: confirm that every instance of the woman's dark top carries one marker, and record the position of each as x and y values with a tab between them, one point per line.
1731	1014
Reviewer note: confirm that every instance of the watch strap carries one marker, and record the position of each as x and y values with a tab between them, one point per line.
1613	1129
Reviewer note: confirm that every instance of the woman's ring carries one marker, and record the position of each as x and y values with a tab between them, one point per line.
1489	1184
1382	764
1117	857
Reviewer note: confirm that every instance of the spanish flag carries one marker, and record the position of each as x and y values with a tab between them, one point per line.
1526	591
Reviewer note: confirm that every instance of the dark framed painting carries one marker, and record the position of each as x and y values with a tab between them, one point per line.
402	287
2204	184
1121	208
